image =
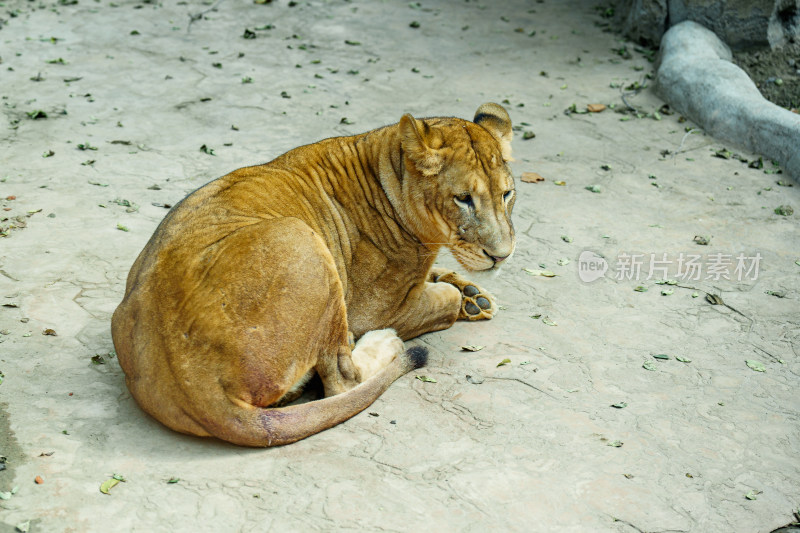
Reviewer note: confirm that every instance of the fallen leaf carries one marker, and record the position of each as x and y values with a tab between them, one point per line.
560	183
504	362
593	188
549	321
566	238
758	366
615	443
682	359
173	480
537	316
530	177
620	405
544	273
596	108
702	240
426	379
563	261
640	288
666	292
50	332
38	480
122	228
6	495
713	299
108	485
650	365
661	356
784	210
472	348
752	495
24	527
628	476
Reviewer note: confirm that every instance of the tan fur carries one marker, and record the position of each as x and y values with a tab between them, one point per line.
262	277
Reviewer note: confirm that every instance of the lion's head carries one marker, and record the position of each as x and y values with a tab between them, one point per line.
457	184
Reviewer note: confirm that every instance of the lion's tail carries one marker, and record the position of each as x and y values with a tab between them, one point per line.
261	427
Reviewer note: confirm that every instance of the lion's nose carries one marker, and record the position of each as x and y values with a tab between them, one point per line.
496	258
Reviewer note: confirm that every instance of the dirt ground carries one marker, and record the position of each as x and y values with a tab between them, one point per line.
775	72
116	110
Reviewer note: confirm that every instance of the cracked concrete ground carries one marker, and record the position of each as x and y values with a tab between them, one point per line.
525	446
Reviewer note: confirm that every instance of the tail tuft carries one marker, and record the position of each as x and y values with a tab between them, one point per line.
417	357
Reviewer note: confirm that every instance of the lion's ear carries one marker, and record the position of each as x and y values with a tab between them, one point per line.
420	143
495	119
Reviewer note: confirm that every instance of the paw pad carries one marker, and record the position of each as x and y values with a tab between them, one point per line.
471	308
476	303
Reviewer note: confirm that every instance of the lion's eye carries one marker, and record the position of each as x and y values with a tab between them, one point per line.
507	196
463	200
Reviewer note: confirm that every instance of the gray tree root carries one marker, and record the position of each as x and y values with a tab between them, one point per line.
696	77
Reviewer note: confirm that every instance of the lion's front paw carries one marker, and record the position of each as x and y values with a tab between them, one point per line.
476	303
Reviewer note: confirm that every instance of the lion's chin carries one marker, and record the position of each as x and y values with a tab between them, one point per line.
474	263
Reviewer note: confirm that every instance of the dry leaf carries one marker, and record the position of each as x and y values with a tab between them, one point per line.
596	108
531	177
472	348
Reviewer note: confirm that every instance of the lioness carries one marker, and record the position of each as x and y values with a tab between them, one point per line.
261	278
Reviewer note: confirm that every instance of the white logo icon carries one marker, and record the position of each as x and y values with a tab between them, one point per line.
591	266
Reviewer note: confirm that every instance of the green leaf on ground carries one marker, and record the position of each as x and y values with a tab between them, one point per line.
649	365
758	366
615	443
108	485
549	321
661	356
426	379
504	362
620	405
683	359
